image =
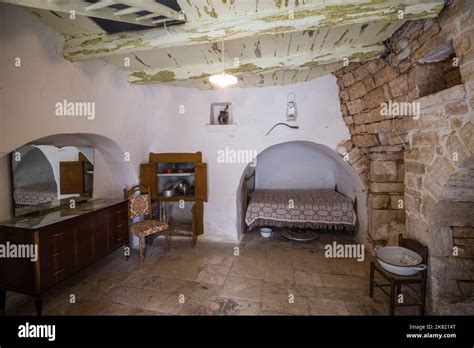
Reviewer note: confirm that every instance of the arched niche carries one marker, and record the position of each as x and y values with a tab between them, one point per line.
304	165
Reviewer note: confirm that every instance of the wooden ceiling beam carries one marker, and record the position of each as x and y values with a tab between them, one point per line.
257	65
304	17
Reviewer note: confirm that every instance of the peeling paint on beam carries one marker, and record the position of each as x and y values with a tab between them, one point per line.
258	66
306	17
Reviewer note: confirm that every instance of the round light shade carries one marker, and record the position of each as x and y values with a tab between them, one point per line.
223	80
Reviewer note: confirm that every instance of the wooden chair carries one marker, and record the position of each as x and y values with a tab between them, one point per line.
139	206
395	282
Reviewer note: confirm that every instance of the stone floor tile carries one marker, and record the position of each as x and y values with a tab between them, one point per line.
243	288
321	306
280	304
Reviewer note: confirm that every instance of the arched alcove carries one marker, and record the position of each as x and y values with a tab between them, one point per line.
112	170
33	169
304	165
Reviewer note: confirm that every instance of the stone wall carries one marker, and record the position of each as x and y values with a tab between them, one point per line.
408	161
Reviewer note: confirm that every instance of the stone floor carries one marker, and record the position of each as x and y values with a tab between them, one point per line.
209	279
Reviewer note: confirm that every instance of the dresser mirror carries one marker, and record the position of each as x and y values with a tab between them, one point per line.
47	176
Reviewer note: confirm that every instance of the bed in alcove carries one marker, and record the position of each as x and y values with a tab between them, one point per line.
294	188
306	209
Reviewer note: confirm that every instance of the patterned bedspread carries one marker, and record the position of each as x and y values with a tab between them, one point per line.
298	208
35	194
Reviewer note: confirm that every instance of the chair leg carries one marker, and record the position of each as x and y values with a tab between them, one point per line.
423	295
371	284
140	248
167	241
392	299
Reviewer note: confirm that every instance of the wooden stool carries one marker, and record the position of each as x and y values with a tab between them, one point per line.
395	282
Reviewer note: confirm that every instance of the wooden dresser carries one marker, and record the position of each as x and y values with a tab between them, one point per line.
67	240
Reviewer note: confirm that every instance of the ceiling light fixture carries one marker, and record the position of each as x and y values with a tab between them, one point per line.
223	79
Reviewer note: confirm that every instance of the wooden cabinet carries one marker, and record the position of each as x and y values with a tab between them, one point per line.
64	248
75	177
164	168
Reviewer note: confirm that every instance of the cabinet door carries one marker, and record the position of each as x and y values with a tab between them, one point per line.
71	177
200	172
84	241
100	233
148	177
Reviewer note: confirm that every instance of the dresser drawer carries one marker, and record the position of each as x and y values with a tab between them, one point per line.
56	266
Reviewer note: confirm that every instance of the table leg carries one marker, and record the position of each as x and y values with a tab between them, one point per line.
3	300
39	305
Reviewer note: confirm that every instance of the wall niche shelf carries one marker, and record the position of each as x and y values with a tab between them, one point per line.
221	127
213	125
174	174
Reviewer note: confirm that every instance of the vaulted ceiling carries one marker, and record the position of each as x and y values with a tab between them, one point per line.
266	42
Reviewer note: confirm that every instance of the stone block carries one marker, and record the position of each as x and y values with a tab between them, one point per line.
456	151
420	154
375	65
401	172
413	181
379	201
365	140
441	97
361	165
391	148
388	73
375	115
429	32
374	98
383	171
369	83
397	202
464	44
396	139
456	108
348	79
354	155
361	72
386	156
463	232
414	167
425	138
355	106
412	204
440	170
344	95
348	120
356	90
358	129
386	224
377	187
467	135
362	118
376	127
399	86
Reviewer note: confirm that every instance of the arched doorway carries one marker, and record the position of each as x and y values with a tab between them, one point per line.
302	165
